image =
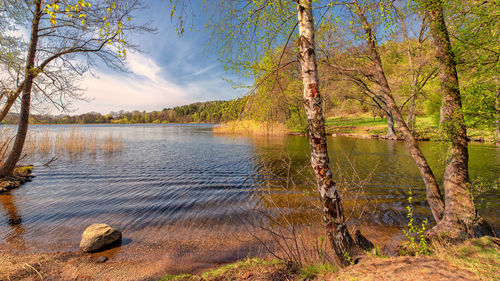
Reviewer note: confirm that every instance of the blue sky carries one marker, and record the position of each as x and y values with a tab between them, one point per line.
171	71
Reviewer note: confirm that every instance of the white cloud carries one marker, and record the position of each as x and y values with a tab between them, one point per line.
142	89
142	65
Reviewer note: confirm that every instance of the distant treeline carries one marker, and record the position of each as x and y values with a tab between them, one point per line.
199	112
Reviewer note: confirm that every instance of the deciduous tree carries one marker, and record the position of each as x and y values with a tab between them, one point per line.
59	32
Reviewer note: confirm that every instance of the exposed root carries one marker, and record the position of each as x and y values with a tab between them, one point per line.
455	231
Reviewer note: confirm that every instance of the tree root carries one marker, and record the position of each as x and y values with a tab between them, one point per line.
456	231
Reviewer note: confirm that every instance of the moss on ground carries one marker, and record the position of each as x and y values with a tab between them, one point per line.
240	270
23	170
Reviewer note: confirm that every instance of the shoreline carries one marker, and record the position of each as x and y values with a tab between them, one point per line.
476	259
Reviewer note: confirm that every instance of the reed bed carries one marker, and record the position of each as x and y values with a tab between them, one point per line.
251	127
73	142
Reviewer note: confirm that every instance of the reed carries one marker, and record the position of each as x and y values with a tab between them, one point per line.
6	138
76	142
251	127
73	142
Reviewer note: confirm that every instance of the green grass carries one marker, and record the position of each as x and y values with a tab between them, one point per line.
310	271
254	267
366	121
360	121
187	277
238	266
227	270
426	127
480	256
364	124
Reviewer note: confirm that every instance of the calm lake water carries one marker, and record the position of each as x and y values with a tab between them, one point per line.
167	176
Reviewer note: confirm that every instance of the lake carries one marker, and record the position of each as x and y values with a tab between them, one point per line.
177	182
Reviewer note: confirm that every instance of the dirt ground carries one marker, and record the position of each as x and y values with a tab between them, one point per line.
404	268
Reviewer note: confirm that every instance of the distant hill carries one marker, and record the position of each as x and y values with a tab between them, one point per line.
199	112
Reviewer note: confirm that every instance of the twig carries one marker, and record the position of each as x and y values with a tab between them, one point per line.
37	272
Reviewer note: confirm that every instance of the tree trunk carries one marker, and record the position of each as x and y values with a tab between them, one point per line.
22	130
497	116
391	132
11	99
460	217
410	120
434	196
336	229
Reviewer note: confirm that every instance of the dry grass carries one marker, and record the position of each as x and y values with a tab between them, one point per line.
58	142
251	127
5	140
73	142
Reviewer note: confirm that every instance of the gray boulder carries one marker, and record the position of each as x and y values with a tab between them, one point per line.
98	236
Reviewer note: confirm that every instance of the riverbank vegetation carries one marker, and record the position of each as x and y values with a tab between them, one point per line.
53	143
477	259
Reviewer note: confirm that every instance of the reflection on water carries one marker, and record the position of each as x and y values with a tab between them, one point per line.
14	237
169	177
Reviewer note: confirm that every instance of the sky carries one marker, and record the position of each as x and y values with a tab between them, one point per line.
170	70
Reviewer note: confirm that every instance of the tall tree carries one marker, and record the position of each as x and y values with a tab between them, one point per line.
473	30
247	29
376	74
336	228
460	217
17	148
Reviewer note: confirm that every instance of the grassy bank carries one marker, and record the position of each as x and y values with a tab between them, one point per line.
365	125
352	125
477	259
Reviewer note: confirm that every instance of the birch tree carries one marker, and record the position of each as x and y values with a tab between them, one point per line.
245	30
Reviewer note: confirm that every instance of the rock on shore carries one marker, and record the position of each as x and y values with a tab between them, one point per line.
98	236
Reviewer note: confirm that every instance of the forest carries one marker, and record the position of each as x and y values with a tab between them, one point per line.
201	112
